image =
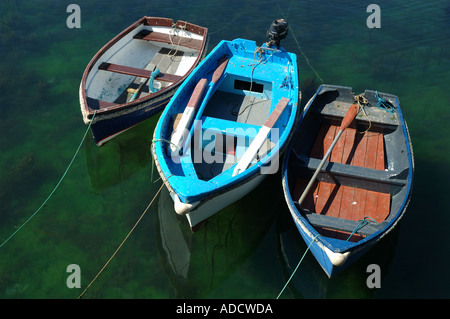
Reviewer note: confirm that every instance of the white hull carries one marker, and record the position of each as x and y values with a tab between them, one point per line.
211	206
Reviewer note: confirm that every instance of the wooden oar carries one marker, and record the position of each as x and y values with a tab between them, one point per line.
351	113
222	64
252	150
178	137
188	114
136	92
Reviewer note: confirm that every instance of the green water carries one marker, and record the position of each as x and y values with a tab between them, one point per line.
250	248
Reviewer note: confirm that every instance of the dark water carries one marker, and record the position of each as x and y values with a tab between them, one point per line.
250	249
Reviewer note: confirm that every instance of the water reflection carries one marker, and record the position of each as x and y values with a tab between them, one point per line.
197	263
311	282
121	157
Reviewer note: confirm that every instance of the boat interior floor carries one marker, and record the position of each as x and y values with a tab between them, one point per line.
346	201
224	111
238	108
167	61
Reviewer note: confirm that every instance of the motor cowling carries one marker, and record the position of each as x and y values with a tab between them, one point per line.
278	31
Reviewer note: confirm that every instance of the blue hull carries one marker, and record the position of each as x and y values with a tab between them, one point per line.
266	76
105	130
336	242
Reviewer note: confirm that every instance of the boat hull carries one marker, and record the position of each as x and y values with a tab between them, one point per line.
336	239
201	188
107	128
131	62
217	202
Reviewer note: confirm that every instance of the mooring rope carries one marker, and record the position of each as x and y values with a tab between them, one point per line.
362	102
122	243
384	105
298	265
298	44
57	185
363	222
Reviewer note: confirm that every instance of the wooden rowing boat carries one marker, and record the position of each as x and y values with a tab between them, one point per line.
364	187
135	74
223	130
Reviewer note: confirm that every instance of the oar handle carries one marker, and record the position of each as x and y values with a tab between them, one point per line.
220	68
351	113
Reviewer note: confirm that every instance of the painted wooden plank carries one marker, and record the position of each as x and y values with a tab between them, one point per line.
328	139
170	39
359	198
347	206
384	205
371	150
122	69
380	162
323	196
333	206
360	151
336	154
179	135
371	204
349	147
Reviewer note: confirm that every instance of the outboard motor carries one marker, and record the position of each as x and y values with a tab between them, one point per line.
278	31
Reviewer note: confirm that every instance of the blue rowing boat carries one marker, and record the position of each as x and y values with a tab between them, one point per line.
226	126
348	173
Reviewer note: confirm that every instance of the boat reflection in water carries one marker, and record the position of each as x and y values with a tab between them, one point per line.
197	263
311	282
120	158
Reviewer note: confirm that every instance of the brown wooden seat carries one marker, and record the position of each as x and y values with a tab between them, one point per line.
122	69
170	39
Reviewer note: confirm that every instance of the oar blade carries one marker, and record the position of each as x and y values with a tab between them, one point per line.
348	119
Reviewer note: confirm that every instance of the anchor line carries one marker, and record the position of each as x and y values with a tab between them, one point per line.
298	265
122	243
57	185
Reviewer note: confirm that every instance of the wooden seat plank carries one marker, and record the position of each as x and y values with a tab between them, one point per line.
384	207
360	151
380	162
122	69
334	203
359	198
348	151
348	209
170	39
371	150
